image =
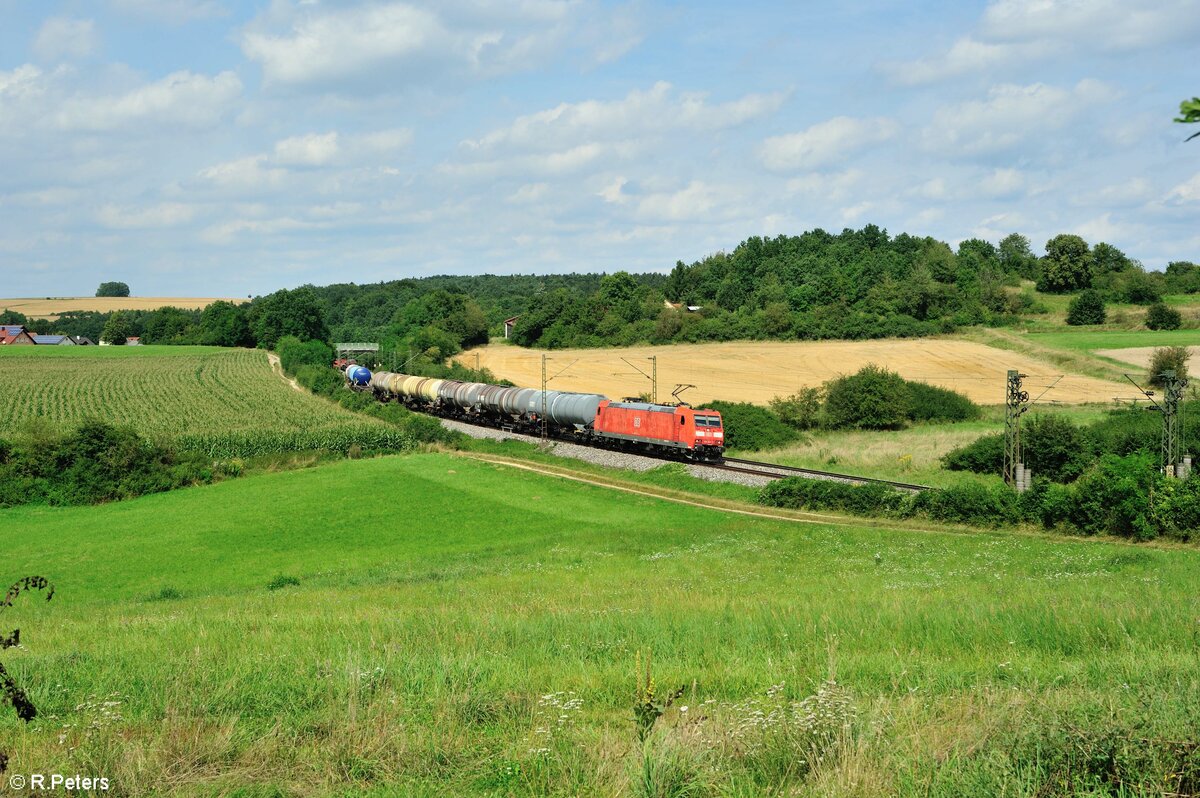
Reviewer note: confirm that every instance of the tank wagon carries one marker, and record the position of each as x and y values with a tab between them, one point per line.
588	418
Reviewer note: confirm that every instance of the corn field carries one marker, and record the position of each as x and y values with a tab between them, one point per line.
225	402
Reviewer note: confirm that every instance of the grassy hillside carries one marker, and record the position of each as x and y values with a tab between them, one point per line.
164	391
463	629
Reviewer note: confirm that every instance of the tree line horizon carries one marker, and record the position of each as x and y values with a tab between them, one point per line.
818	285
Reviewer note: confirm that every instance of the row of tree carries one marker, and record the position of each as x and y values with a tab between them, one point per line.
818	285
259	323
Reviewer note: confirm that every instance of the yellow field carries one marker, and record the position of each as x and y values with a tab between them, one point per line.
43	308
759	371
1138	355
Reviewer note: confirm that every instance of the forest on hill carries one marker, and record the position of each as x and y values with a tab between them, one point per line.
818	285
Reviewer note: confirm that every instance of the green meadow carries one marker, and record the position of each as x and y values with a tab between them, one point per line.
435	625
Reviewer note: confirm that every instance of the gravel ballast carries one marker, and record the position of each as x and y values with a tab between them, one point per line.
606	457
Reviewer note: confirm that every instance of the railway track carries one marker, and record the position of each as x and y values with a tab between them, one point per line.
740	466
777	471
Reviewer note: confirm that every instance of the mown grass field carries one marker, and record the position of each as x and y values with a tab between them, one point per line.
461	628
226	399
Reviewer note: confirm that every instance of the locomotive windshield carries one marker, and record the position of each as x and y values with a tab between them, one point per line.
708	421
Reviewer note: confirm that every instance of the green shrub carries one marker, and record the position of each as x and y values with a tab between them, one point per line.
1087	308
752	427
97	462
1114	497
1169	358
984	455
1054	448
872	398
970	503
323	380
801	410
931	403
294	353
1162	317
823	494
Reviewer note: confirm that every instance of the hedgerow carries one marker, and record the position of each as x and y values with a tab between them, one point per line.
97	462
1123	496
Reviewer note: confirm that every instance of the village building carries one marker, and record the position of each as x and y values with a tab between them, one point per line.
53	340
15	334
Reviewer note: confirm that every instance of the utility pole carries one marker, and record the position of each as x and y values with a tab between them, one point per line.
652	376
1171	450
1171	447
542	415
1015	405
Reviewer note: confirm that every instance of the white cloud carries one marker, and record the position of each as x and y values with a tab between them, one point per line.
654	111
968	54
688	204
1002	183
244	173
314	149
173	12
167	214
824	143
1010	115
336	44
383	142
394	44
1187	191
837	186
64	37
1095	24
1102	228
612	192
529	193
227	232
181	99
1015	32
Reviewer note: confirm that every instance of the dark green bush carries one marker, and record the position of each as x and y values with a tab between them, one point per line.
1163	317
324	379
984	455
931	403
872	398
97	462
281	581
294	353
970	503
752	427
824	494
801	410
1087	308
1115	498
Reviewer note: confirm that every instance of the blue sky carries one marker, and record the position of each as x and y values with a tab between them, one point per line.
210	147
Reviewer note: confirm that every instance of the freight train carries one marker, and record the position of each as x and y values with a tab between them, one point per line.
676	431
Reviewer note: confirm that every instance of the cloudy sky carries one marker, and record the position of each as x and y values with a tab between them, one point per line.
214	147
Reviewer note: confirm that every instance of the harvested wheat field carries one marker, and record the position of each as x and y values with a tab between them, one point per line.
51	307
1137	355
759	371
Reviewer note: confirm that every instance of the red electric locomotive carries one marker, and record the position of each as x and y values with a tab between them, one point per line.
695	434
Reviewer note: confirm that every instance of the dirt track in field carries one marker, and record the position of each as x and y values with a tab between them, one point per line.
42	308
1140	355
759	371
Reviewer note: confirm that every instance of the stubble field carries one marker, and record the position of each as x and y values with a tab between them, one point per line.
759	371
52	307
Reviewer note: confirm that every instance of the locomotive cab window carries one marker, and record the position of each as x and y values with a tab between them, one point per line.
708	421
682	421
